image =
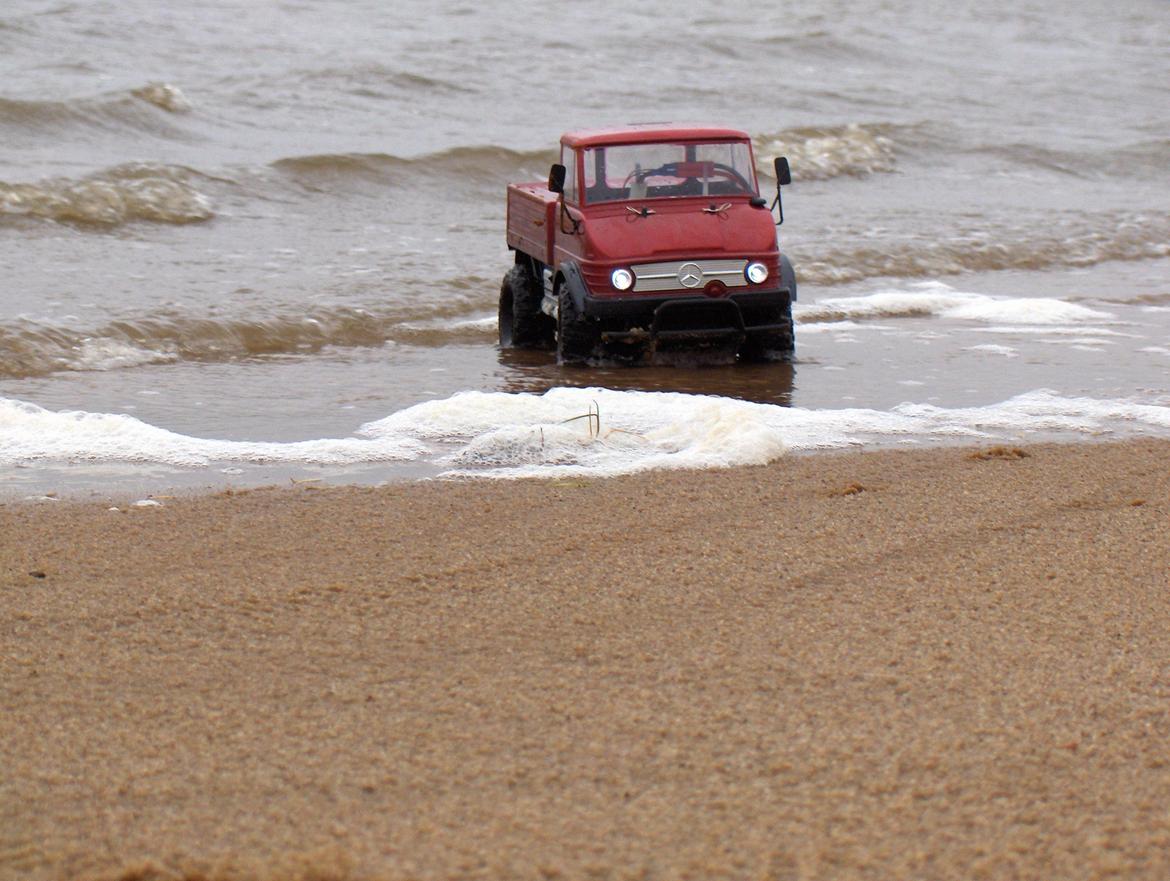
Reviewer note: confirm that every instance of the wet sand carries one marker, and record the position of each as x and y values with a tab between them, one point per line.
884	665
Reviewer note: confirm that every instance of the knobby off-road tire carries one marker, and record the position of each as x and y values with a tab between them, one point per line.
577	338
522	324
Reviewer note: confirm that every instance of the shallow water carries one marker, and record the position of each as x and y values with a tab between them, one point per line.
284	222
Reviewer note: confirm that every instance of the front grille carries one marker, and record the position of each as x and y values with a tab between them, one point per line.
651	277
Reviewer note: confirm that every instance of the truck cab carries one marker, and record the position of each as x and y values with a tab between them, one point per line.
648	241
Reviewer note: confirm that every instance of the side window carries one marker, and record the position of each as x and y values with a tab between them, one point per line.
591	168
569	160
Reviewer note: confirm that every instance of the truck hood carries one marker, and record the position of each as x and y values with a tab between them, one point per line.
678	227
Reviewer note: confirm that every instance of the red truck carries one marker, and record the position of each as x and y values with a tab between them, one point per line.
647	241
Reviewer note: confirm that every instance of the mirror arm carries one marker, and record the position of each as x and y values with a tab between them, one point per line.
776	203
565	213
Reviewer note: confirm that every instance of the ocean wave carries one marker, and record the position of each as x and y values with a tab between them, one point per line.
1143	159
935	299
125	194
378	81
814	153
592	432
38	348
485	162
134	109
1110	237
31	348
1037	156
823	153
170	98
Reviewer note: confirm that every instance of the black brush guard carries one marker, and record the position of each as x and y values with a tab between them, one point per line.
690	323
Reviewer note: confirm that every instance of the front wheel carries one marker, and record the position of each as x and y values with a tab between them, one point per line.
577	338
775	345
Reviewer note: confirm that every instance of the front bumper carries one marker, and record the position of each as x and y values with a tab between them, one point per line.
691	319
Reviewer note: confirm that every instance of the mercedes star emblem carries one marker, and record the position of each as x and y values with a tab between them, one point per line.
690	275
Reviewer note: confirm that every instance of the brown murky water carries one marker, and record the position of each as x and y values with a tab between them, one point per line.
283	223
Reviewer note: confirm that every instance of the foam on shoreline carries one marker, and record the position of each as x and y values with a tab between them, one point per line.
593	432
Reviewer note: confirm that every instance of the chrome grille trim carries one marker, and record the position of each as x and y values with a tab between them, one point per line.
652	277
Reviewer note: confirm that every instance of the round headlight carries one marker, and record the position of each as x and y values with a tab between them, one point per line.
622	279
757	273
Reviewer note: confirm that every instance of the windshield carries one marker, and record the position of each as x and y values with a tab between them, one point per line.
668	171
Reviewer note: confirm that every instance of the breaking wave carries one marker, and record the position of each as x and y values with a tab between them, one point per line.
935	299
125	194
35	348
163	95
483	163
135	109
594	432
823	153
814	153
1112	237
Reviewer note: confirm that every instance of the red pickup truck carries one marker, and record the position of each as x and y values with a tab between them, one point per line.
645	242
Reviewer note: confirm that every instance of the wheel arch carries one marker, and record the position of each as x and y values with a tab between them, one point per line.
788	277
570	274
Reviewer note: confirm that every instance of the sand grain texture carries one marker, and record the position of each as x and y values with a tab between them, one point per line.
885	665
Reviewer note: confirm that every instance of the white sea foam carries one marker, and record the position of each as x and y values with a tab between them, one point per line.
935	299
1025	329
521	435
29	433
486	324
483	324
595	432
1030	310
1075	342
107	354
991	348
839	326
164	95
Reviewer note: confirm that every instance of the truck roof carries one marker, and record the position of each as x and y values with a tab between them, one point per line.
644	133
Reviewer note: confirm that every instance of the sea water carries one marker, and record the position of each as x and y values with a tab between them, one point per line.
240	243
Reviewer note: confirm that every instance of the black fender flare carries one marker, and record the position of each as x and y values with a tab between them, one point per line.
788	277
571	277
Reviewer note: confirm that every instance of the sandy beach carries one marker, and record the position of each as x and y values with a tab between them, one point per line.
949	663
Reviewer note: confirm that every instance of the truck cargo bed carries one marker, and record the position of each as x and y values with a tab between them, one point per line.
531	218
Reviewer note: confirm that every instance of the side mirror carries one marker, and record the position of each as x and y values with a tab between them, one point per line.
556	178
783	177
783	173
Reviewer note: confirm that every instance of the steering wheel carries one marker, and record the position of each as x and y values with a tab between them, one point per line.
729	172
670	169
662	170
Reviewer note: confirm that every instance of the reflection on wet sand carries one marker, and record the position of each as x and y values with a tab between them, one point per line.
536	372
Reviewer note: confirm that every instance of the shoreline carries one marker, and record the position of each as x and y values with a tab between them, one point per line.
880	664
128	488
